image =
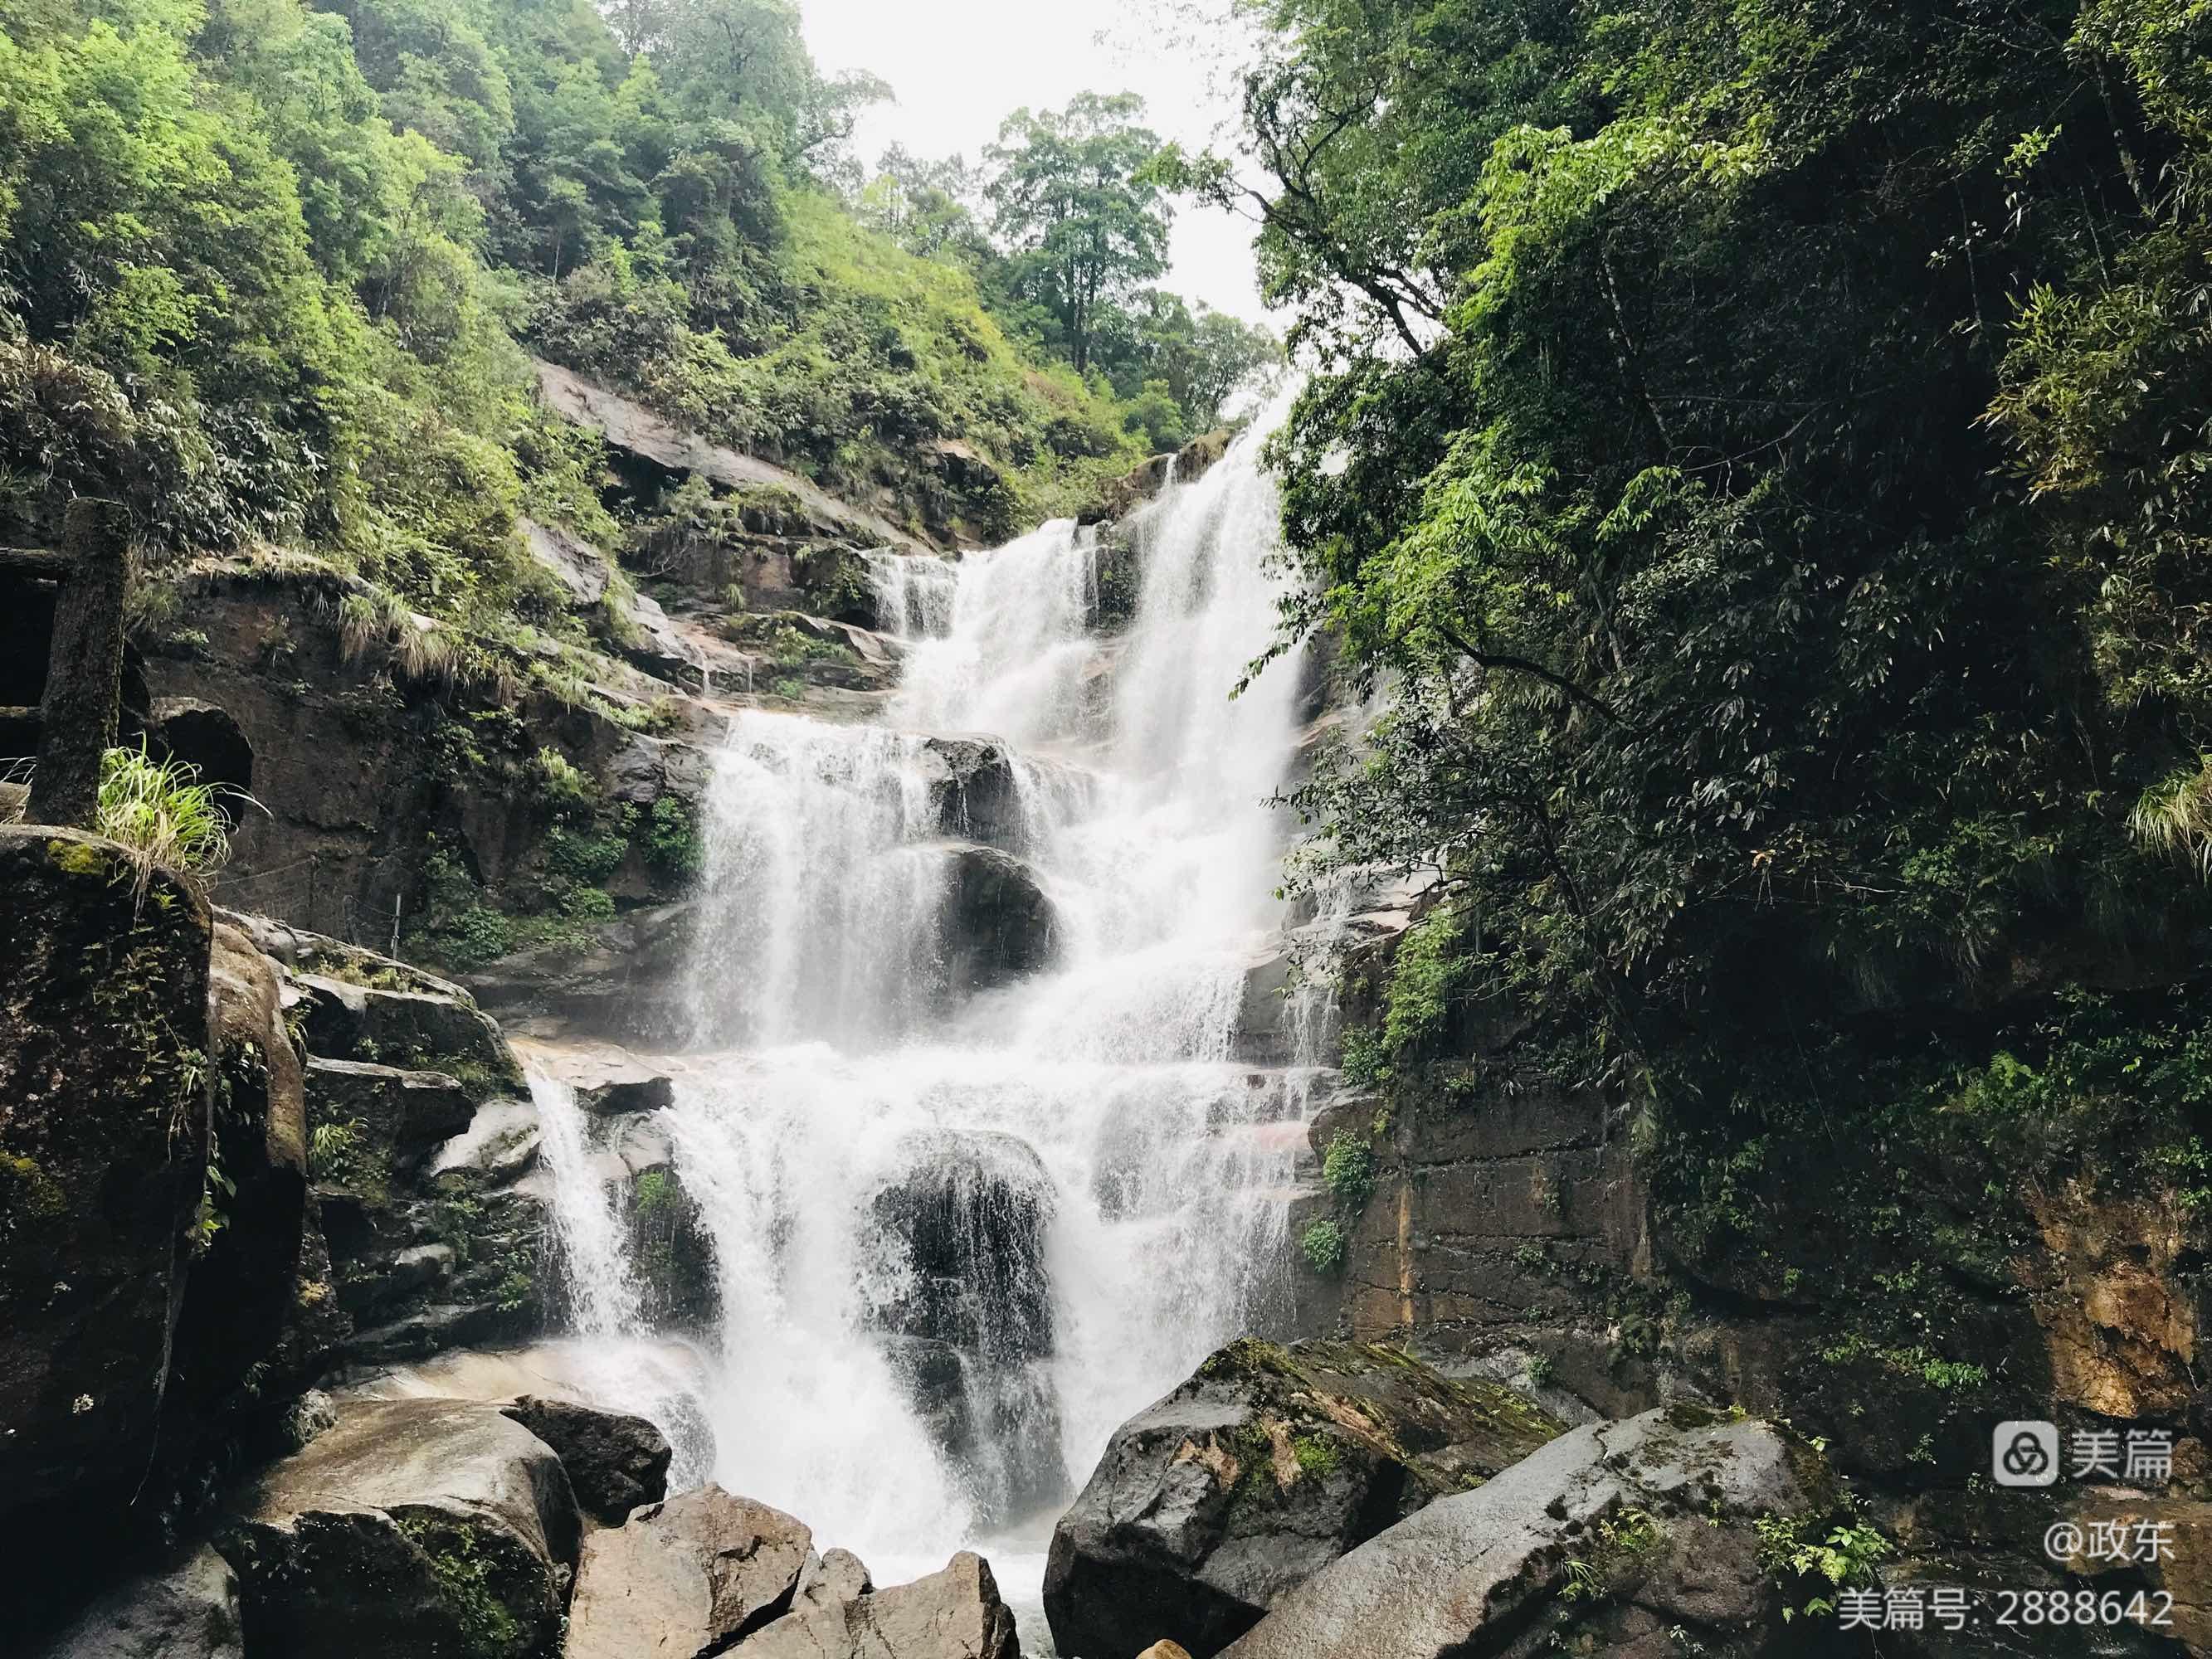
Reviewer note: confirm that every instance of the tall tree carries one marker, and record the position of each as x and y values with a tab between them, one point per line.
1070	193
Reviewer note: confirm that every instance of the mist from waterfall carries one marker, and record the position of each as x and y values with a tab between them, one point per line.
1107	1184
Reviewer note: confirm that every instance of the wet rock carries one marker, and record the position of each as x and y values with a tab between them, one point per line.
184	1610
656	645
1650	1522
502	1142
103	1120
616	1463
970	1219
430	1527
685	1578
1139	485
1268	1464
242	1310
305	952
623	984
414	1031
973	792
1263	1036
670	1246
953	1615
397	1118
632	428
972	1321
643	1090
998	922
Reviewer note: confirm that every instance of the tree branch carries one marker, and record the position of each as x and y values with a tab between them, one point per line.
1510	663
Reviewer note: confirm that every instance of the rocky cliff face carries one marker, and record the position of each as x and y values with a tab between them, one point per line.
2010	1240
217	1183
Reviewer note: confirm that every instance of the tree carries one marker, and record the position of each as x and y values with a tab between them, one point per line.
1068	192
1759	445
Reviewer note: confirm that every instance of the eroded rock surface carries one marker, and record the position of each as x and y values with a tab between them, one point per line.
1270	1463
998	924
187	1609
106	1105
423	1527
1606	1541
953	1615
685	1578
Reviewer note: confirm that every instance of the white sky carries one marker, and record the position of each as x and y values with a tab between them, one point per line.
960	67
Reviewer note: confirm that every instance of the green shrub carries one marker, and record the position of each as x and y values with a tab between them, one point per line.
1366	1065
673	844
161	813
338	1152
1348	1167
562	786
1326	1246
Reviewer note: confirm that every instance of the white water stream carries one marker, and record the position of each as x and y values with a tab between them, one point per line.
960	1234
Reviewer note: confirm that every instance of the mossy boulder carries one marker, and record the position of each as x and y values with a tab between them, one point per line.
107	1100
1268	1464
1680	1531
437	1529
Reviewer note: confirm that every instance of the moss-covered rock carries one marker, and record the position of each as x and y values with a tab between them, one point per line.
107	1104
432	1528
1265	1466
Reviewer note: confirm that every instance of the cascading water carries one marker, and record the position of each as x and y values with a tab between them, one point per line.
973	1204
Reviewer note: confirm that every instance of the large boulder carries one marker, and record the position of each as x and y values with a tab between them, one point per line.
1268	1464
393	1118
255	1324
106	1109
953	1615
973	793
616	1463
998	922
185	1609
968	1219
1637	1538
685	1578
413	1030
969	1320
440	1528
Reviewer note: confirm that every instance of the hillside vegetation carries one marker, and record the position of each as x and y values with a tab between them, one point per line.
277	272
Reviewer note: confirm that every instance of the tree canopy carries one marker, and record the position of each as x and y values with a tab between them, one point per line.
1068	192
277	270
1759	444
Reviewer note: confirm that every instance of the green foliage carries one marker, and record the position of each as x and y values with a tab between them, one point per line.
165	817
674	846
1425	977
469	1583
1069	191
1365	1063
564	788
1772	623
1615	1543
340	1153
1348	1168
265	269
1317	1455
1846	1558
1326	1246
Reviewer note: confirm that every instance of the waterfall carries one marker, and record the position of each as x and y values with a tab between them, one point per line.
964	1124
587	1230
